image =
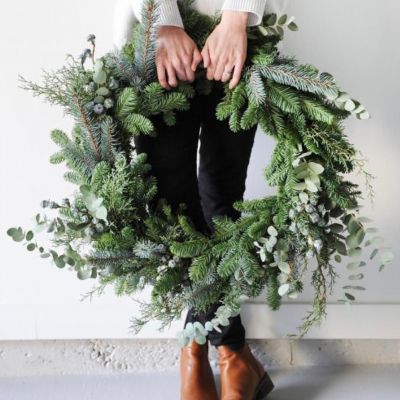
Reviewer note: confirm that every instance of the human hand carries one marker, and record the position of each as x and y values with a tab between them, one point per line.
177	56
225	49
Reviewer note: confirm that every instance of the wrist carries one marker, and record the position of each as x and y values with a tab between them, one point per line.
169	30
232	17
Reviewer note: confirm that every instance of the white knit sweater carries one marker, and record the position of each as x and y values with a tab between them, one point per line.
127	11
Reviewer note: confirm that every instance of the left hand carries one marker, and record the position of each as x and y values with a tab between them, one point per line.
225	50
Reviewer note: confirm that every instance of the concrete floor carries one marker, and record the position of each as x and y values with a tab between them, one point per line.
350	382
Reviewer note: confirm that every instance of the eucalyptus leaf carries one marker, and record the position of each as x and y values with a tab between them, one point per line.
355	252
272	231
100	77
272	19
343	97
31	246
84	274
336	212
299	186
282	19
353	287
356	277
337	228
311	186
338	258
263	30
349	296
316	168
284	267
349	105
29	236
352	241
101	213
103	91
293	295
98	66
353	265
283	289
387	256
280	31
17	234
364	115
353	225
59	261
341	248
303	197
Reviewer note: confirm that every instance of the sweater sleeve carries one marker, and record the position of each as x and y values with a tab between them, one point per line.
255	8
169	13
124	18
126	12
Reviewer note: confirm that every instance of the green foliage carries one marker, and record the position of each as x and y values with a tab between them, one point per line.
116	230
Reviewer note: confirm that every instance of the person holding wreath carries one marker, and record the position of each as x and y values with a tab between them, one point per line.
220	179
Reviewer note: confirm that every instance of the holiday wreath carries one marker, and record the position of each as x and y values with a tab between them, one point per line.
108	232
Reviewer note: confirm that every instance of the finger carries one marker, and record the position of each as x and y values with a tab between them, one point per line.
206	56
172	81
227	73
211	68
210	72
179	69
236	74
197	59
162	77
189	73
187	66
219	70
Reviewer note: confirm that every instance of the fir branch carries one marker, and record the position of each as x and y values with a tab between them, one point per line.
301	77
144	62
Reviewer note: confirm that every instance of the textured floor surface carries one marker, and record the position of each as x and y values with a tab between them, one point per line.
305	383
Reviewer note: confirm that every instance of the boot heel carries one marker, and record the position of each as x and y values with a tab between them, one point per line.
264	387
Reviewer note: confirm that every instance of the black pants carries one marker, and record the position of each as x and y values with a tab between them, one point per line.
224	158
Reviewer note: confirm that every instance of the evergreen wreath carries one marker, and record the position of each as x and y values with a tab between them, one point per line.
107	231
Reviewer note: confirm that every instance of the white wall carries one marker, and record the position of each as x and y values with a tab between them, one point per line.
356	40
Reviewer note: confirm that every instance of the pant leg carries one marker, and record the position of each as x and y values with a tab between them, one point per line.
173	157
224	159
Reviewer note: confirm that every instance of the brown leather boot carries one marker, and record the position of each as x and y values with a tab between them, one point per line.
197	379
242	376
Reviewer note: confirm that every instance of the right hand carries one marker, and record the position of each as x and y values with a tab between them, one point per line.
177	56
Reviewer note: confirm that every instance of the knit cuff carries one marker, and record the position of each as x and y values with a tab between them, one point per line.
255	8
168	12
